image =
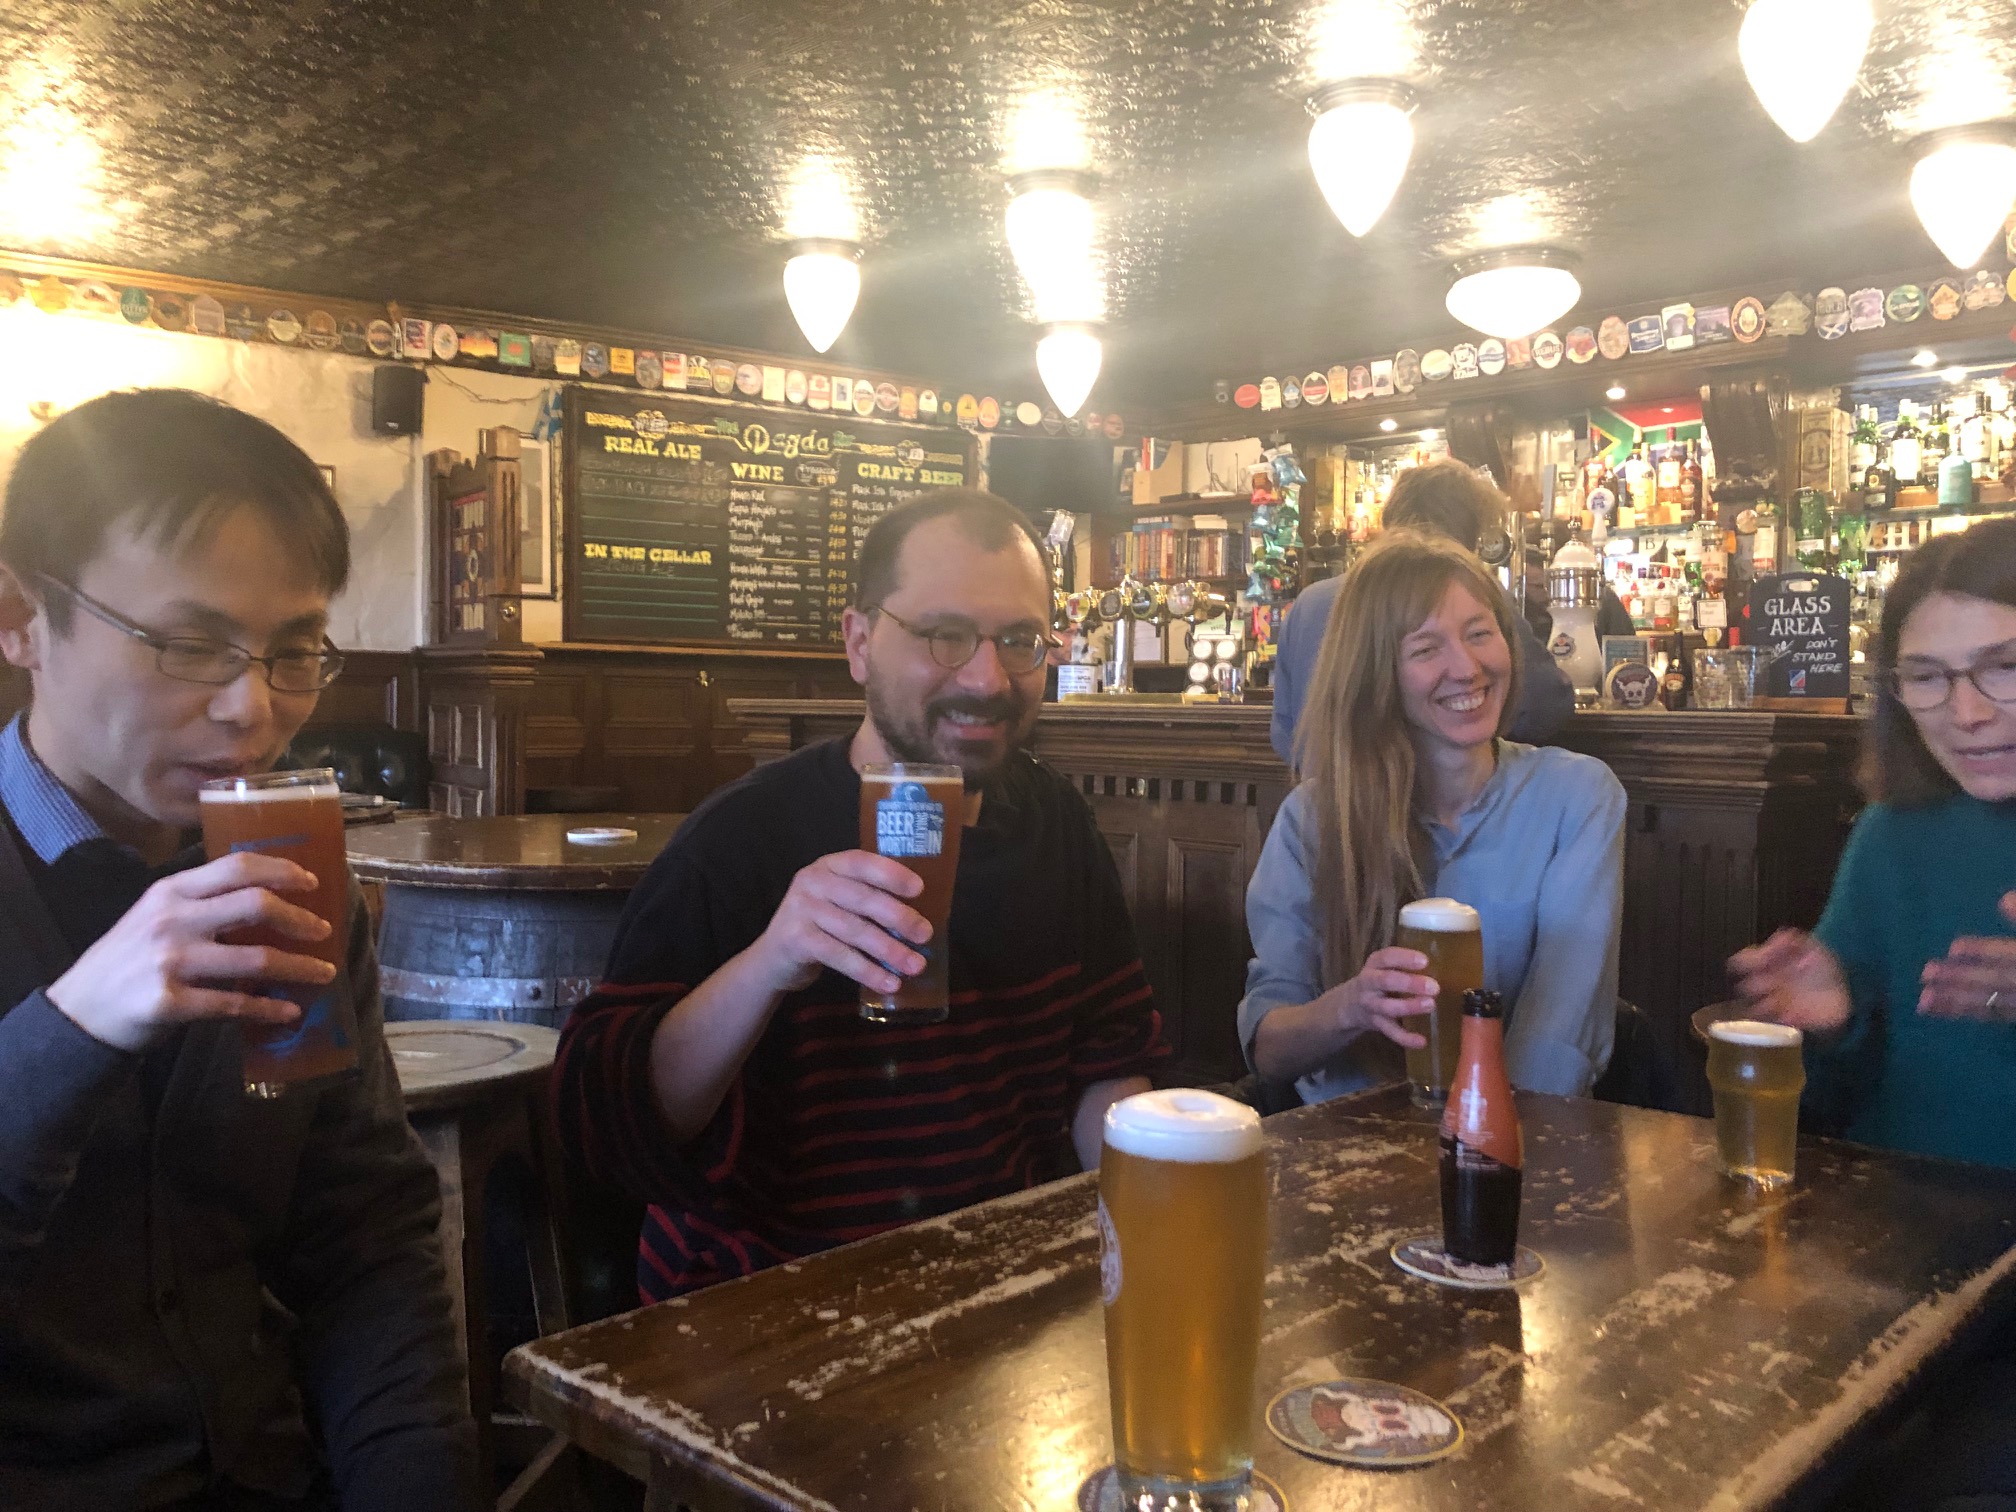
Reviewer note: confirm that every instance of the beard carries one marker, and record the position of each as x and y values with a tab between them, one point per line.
932	735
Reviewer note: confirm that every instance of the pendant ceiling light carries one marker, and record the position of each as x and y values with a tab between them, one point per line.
1514	292
1962	189
1801	56
1360	146
1051	228
822	279
1068	358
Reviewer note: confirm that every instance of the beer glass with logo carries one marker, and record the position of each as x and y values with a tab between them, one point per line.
299	816
1757	1072
912	812
1450	935
1182	1255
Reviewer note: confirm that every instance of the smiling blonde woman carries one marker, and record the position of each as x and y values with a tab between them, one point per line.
1410	791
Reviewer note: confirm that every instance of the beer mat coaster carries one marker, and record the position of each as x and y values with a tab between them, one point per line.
1424	1256
1101	1493
1373	1425
600	835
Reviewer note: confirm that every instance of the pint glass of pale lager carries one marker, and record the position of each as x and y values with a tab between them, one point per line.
1451	935
1757	1073
914	813
298	816
1182	1252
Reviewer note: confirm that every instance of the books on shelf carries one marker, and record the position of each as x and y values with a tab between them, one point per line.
1170	553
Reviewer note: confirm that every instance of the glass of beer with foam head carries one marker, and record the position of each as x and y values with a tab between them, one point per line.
1757	1072
913	813
1451	935
1182	1255
297	815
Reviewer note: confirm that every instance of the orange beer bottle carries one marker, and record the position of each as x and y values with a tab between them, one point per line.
1483	1153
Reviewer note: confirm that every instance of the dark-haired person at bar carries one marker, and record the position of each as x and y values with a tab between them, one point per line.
1448	499
206	1301
723	1074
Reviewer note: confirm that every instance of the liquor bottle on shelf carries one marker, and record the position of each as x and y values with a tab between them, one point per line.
1692	492
1641	486
1935	450
1677	685
1878	486
1907	446
1666	485
1863	444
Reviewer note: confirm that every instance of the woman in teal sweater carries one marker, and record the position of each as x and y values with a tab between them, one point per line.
1907	988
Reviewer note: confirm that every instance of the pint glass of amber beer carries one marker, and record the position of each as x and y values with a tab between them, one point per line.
298	815
1182	1252
1450	935
913	813
1757	1072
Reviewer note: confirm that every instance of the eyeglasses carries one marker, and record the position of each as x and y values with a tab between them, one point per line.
952	646
1922	689
188	658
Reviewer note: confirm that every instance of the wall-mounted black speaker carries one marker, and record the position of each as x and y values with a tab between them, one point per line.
396	402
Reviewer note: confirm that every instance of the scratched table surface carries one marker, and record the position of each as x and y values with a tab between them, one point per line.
1691	1344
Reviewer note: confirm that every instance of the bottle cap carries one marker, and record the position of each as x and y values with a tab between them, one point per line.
1481	1002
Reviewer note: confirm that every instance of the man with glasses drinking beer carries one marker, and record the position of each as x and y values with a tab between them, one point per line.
206	1300
724	1073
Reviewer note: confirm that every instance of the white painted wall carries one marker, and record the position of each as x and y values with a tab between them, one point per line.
323	401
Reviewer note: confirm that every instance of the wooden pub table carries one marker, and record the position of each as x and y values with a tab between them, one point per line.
1690	1344
502	917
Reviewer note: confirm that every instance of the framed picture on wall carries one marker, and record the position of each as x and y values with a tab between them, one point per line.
538	548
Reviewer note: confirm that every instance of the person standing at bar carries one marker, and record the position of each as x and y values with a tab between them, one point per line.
1409	790
723	1074
206	1300
1448	499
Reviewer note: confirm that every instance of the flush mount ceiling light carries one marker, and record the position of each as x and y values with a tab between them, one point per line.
1051	227
1514	291
822	280
1389	425
1925	358
1614	392
1962	188
1801	56
1360	146
1068	358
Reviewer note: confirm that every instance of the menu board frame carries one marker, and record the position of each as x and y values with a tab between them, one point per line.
754	513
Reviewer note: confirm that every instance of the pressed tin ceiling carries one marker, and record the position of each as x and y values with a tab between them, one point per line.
621	163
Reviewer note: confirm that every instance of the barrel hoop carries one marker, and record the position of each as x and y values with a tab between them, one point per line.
485	992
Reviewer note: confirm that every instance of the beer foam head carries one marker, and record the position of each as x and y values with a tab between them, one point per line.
1183	1124
1755	1033
1441	916
248	790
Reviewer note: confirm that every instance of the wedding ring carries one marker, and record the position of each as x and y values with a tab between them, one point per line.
1993	998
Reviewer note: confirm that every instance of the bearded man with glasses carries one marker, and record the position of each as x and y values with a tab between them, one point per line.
206	1301
723	1075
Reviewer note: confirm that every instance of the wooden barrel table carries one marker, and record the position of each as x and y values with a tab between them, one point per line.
504	918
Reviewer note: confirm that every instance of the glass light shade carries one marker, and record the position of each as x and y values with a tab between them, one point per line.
1068	359
821	285
1513	296
1962	189
1359	149
1050	229
1801	56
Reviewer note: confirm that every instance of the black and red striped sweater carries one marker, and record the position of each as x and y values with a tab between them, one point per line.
838	1128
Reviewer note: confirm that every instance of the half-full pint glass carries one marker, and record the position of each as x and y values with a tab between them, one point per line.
1451	935
298	815
913	813
1182	1252
1757	1073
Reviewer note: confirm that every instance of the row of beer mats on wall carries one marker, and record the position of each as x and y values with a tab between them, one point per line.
397	335
1831	314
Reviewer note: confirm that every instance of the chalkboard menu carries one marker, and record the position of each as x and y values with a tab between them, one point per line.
1802	618
690	523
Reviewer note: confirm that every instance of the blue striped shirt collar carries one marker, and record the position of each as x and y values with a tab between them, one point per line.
49	818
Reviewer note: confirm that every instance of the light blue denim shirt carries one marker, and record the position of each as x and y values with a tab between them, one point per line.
1540	855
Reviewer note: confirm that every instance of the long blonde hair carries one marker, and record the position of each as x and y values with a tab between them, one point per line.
1354	747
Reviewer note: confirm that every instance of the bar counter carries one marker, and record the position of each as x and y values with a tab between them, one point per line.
1736	821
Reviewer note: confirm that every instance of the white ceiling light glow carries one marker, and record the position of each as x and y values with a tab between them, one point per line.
49	182
1801	56
1360	146
1051	233
822	280
1962	189
1514	292
1068	358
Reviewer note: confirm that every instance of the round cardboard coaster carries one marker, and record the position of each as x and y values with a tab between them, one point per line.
1373	1425
1101	1493
1424	1256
